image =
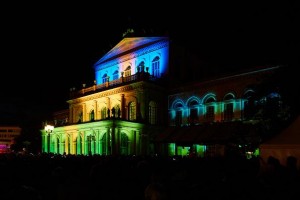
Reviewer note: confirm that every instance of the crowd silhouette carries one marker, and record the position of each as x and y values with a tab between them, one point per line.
61	177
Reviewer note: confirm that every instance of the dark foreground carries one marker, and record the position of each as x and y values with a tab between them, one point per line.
53	177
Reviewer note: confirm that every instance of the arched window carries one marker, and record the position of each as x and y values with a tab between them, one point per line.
132	111
127	71
210	109
103	113
117	111
124	144
193	118
80	145
91	144
141	67
152	112
104	78
106	144
80	117
178	117
155	67
92	115
116	75
228	107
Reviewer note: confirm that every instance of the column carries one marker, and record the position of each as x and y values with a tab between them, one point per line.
84	115
113	142
96	117
108	106
123	111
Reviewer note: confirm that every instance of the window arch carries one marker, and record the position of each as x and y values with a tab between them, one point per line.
91	144
92	115
79	116
132	111
103	113
124	144
127	71
178	116
152	112
141	67
106	144
228	107
116	75
104	78
155	67
210	109
193	109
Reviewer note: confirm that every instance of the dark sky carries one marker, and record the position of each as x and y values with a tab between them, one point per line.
49	47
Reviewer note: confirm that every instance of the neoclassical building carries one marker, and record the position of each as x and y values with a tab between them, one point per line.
137	106
123	110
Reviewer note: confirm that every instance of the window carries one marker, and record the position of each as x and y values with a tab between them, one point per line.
178	118
210	114
210	109
228	107
132	111
116	75
228	112
103	113
193	118
127	71
155	67
80	117
141	67
91	144
152	113
124	143
92	115
104	78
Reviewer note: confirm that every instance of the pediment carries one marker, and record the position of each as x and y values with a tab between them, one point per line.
129	45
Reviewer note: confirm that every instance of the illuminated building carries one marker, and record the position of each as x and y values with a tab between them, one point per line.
123	110
135	107
8	135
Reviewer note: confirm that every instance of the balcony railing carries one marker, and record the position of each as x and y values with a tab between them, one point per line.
141	76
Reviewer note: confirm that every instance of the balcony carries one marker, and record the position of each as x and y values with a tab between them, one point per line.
141	76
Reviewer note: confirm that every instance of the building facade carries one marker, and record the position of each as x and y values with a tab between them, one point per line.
124	108
8	134
134	108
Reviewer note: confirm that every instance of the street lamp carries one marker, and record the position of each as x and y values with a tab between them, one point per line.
48	129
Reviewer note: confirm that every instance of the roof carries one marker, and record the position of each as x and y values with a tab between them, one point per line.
128	45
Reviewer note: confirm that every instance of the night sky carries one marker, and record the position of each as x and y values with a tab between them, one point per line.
48	48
